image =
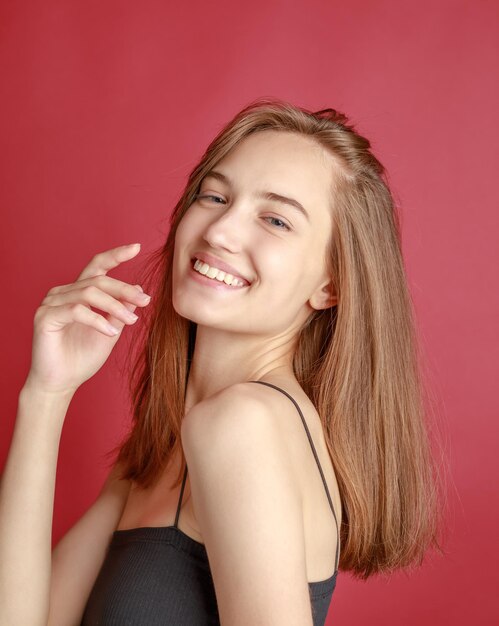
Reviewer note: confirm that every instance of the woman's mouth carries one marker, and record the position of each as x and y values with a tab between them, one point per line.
212	277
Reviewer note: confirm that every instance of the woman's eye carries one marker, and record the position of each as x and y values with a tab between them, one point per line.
284	225
201	197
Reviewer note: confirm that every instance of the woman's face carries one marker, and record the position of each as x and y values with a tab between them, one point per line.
279	249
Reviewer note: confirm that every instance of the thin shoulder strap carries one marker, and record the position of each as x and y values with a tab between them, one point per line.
180	497
316	458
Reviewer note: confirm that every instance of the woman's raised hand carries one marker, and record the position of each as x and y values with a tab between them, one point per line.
70	341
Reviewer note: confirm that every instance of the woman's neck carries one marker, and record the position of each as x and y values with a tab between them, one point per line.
221	359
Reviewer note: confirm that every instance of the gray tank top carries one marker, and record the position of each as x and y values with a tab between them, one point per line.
159	576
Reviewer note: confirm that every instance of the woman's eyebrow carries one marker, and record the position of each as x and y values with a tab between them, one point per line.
265	195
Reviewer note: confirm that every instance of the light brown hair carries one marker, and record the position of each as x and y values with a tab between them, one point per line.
358	361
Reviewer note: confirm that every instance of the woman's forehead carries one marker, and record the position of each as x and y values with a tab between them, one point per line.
283	163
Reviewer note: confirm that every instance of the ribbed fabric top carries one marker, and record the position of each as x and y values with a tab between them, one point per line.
159	576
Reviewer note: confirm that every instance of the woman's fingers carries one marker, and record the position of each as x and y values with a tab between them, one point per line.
66	354
94	288
116	288
105	261
64	314
92	296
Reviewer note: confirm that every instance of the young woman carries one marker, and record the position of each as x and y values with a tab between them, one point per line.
278	428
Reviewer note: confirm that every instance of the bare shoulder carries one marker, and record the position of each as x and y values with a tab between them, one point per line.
241	396
258	412
248	507
239	410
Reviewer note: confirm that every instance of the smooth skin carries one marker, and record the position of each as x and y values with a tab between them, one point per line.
71	342
250	495
251	469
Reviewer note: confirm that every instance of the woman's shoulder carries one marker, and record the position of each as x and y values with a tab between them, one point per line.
257	426
258	412
270	398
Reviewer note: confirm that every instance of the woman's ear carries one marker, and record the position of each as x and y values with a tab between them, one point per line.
324	296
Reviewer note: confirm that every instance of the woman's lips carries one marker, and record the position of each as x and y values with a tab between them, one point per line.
214	261
212	282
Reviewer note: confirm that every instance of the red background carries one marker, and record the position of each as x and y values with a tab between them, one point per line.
105	108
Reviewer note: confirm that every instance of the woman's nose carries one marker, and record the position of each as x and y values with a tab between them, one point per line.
226	231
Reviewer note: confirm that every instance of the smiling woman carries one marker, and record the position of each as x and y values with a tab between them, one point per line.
283	266
295	204
216	276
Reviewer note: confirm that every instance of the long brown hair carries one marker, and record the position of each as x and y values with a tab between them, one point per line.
359	361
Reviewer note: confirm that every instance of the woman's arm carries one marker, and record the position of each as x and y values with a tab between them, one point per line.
71	342
26	507
78	557
38	587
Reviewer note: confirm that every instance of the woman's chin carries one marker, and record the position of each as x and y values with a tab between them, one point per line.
190	308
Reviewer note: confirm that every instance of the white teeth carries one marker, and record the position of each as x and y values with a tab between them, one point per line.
204	268
215	273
